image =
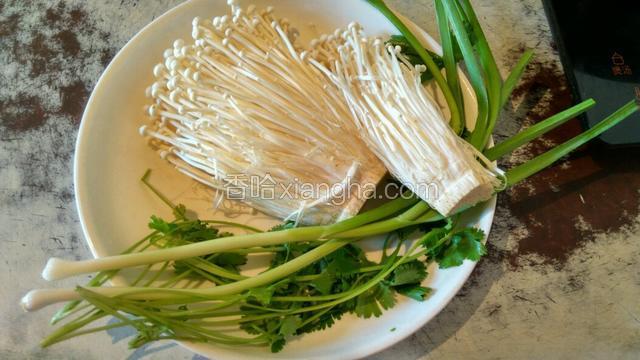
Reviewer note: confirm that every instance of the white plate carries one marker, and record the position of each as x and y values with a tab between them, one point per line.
114	207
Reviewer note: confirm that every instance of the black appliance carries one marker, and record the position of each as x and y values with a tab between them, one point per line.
599	45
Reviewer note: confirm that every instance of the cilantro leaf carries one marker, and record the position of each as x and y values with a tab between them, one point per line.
230	261
278	344
324	283
371	302
414	291
186	232
385	296
432	240
345	260
161	225
406	232
196	231
367	305
409	273
251	327
290	325
262	295
284	226
465	244
290	251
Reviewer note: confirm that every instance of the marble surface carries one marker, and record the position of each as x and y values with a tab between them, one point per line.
562	278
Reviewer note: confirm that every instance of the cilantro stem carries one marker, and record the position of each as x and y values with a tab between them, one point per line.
145	181
157	274
206	311
55	336
315	317
71	335
243	319
213	269
142	274
233	224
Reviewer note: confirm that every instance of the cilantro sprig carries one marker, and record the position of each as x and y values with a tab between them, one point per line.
340	280
312	298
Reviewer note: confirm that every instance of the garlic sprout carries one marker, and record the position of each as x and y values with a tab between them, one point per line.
401	122
243	111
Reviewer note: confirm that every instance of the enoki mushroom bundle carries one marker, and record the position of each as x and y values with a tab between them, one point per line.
402	123
242	110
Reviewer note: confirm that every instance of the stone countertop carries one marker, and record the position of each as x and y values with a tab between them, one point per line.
562	278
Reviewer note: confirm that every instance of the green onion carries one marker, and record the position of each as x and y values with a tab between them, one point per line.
537	130
513	78
456	119
540	162
450	62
